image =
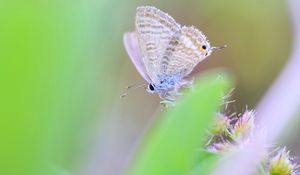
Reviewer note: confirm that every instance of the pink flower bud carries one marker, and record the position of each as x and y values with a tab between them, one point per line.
244	126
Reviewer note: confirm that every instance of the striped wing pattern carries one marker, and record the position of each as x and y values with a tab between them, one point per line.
184	52
154	30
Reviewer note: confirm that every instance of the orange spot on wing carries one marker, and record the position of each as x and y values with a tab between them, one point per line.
202	50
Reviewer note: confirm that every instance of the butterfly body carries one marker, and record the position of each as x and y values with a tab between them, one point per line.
165	83
164	52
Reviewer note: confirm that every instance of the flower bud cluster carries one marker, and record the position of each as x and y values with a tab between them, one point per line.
230	133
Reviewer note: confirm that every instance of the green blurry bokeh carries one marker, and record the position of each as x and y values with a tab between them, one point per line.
53	58
63	67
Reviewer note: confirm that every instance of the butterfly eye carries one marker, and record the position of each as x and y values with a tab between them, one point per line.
203	47
151	87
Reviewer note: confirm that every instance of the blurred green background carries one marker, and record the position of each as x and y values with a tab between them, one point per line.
63	67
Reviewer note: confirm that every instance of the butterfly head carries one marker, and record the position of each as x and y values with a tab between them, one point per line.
205	49
151	88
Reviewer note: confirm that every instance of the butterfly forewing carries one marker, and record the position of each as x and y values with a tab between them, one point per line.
132	48
154	30
184	52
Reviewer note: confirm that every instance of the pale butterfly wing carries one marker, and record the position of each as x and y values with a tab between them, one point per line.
184	52
133	50
154	31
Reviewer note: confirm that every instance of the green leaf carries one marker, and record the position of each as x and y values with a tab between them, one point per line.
170	146
204	161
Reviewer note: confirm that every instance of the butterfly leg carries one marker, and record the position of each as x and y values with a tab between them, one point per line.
167	96
175	93
187	83
167	103
167	99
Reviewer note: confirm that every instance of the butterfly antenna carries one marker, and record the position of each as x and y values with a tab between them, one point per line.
132	87
218	48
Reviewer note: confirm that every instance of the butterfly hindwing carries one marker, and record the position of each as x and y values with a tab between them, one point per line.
184	52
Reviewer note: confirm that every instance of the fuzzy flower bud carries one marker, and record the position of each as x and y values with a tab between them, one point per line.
244	125
281	164
221	124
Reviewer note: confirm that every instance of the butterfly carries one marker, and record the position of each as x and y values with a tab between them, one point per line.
163	52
